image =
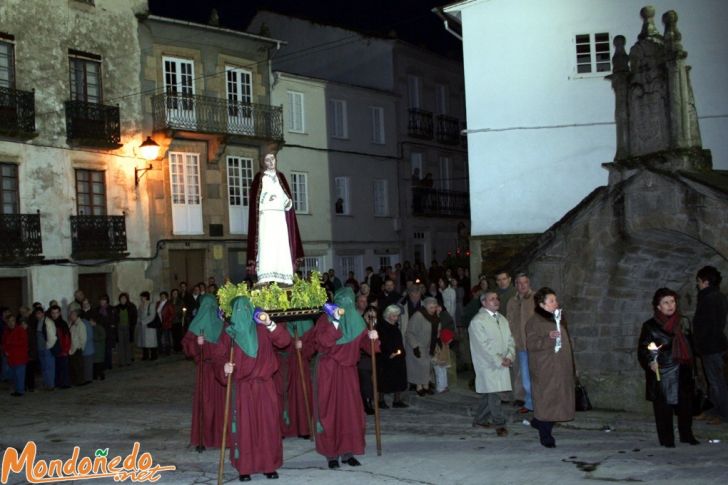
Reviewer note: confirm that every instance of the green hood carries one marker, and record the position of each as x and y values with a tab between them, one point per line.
351	324
302	326
206	321
242	329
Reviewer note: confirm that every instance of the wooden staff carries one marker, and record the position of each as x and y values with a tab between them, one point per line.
221	464
200	401
309	417
377	423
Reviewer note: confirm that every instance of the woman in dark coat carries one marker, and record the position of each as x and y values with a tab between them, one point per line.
552	372
391	364
672	360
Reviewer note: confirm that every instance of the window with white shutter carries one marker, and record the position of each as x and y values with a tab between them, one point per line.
350	264
240	177
339	128
311	263
184	174
414	91
381	199
295	121
342	195
299	187
441	95
377	115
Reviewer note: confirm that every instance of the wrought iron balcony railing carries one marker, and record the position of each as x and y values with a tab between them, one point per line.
440	203
20	238
420	124
448	130
93	124
217	115
17	113
98	237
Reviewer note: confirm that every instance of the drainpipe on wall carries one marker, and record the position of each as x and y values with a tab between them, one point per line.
438	11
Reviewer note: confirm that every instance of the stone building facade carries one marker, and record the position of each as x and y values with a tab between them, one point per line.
660	219
70	123
208	105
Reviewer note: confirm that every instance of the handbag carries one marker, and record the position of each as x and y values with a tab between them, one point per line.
156	323
582	398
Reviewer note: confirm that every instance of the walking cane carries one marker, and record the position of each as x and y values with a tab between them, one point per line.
200	403
377	423
309	417
221	464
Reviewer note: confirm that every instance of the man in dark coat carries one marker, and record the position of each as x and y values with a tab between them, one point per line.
709	338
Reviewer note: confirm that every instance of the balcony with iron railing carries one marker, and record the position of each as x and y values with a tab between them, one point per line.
440	203
420	124
20	238
93	124
448	130
17	113
206	114
98	237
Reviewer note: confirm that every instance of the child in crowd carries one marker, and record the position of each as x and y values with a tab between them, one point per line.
441	359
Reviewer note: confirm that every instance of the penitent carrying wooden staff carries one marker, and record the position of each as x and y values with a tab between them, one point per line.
253	413
371	321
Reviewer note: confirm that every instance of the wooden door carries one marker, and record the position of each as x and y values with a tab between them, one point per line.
94	285
11	294
186	265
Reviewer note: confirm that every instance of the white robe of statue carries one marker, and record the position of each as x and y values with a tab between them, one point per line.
274	252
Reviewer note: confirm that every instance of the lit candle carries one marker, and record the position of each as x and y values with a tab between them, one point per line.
557	317
655	351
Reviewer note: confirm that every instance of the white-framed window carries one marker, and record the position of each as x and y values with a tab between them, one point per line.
296	120
239	90
179	88
414	91
381	198
342	205
416	165
299	187
184	175
239	177
441	94
445	173
353	264
377	115
593	53
339	122
311	263
7	64
385	261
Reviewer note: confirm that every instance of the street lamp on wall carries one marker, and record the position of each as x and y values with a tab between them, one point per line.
149	150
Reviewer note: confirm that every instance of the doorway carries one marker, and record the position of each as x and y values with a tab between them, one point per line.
186	265
94	285
11	293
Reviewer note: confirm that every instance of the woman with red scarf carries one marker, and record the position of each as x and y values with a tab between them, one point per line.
668	366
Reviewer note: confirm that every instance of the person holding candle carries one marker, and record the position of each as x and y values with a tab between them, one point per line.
552	372
663	347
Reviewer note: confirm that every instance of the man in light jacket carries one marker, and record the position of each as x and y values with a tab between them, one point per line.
493	350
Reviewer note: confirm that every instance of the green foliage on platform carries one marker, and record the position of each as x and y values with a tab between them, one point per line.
303	294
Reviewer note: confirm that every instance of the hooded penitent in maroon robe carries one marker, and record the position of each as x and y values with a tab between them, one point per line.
294	419
213	393
254	421
340	419
294	238
208	390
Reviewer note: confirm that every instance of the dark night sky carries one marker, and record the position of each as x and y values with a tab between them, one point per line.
411	19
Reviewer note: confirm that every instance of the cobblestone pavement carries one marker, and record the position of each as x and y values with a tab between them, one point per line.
432	442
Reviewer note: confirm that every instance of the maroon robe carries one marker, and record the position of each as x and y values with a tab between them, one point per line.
257	445
293	403
339	408
294	238
213	393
